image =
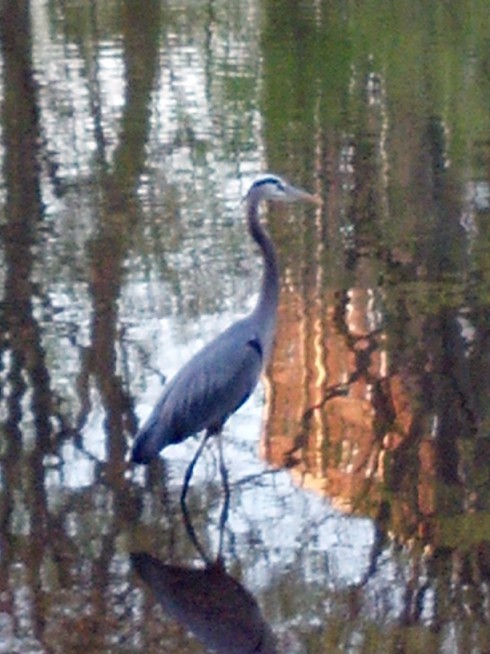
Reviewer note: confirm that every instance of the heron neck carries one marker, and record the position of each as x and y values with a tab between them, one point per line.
267	303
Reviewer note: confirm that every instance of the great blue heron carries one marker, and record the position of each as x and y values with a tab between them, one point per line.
218	379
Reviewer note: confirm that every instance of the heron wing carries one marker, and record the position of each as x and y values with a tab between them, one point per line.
204	393
210	392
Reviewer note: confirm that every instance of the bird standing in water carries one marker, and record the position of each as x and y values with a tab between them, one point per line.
218	379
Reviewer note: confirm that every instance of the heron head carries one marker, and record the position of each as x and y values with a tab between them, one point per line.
272	187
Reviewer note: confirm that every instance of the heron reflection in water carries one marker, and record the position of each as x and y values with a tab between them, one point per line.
221	613
218	379
218	610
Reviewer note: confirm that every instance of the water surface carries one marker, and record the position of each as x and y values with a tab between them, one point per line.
359	507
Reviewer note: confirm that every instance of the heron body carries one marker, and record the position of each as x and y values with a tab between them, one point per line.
219	378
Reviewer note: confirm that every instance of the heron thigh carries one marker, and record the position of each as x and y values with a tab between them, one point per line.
215	428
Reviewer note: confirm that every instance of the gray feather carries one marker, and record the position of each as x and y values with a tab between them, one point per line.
205	392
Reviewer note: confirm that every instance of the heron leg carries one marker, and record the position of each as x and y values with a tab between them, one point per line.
190	469
183	505
226	504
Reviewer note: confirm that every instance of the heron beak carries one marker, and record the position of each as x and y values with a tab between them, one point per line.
297	194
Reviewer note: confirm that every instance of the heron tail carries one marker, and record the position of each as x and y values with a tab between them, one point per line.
148	443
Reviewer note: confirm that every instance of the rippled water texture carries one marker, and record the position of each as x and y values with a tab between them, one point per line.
358	512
